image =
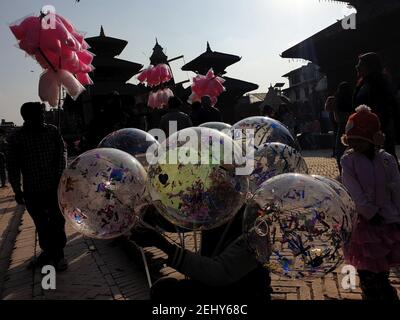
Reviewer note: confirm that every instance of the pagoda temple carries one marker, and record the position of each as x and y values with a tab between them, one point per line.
111	74
335	49
235	88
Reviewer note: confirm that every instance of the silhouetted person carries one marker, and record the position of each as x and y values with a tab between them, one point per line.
209	113
267	111
375	90
2	169
330	108
37	151
174	114
343	109
197	114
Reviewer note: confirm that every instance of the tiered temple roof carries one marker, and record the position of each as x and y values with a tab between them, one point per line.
336	49
110	72
211	59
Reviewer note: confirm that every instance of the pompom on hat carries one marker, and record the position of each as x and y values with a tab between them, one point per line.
364	125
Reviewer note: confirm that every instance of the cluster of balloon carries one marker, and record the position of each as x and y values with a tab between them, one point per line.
262	130
155	76
296	225
159	99
194	184
101	193
60	50
208	85
136	142
272	159
220	126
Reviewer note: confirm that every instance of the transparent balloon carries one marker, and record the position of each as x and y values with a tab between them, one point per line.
193	182
101	193
296	226
220	126
136	142
348	205
265	130
272	159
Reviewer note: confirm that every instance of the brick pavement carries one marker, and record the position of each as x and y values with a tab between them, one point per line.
97	269
105	269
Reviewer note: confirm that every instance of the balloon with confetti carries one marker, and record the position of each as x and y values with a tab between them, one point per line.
136	142
264	130
220	126
194	184
101	193
348	205
272	159
296	227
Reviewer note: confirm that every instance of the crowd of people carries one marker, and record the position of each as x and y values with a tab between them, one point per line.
365	152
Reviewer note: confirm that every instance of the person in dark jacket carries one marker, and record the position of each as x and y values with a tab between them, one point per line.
181	119
37	151
224	269
197	114
210	113
375	90
343	109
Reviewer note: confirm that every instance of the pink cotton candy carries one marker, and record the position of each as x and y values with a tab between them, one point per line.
73	64
215	88
50	83
49	88
214	100
79	37
61	51
30	25
73	87
193	98
152	100
84	79
85	57
155	75
68	25
153	79
51	57
200	85
49	42
160	98
165	73
67	54
85	68
163	98
142	77
208	85
84	45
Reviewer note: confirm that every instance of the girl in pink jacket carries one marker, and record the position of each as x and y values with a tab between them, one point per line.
373	180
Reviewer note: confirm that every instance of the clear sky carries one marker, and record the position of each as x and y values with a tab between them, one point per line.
256	30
